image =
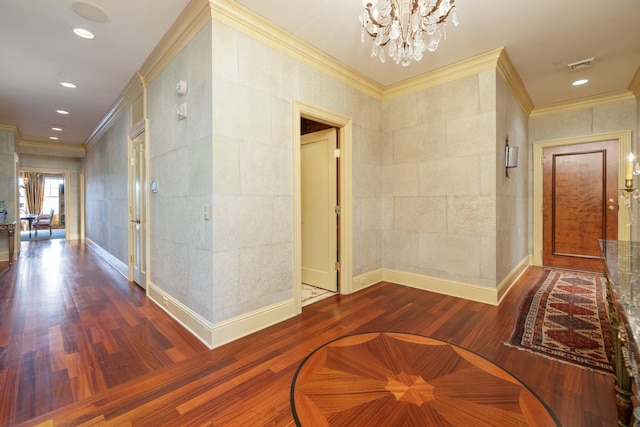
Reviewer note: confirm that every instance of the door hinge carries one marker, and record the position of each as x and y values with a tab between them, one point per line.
338	266
131	259
337	210
336	153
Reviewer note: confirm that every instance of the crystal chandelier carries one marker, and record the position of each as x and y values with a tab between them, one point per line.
404	26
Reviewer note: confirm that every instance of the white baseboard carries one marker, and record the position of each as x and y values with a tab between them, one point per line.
216	334
363	281
443	286
452	288
505	286
113	261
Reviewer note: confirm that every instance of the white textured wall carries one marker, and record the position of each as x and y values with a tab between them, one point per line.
254	87
72	191
439	181
106	188
512	195
180	160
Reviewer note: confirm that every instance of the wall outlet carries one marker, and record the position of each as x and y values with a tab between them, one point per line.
165	301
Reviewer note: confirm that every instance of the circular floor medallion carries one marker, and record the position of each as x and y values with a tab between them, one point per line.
399	379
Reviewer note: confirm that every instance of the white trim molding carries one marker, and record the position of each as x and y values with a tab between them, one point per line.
452	288
217	334
120	266
468	291
582	103
345	136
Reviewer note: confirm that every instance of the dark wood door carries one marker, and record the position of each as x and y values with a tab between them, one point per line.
580	203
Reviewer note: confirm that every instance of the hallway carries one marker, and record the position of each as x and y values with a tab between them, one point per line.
80	344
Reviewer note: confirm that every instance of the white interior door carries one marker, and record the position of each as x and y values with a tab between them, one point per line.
319	199
137	210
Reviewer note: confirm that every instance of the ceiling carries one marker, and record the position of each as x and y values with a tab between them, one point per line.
39	50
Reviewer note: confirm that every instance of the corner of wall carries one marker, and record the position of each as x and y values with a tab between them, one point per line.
217	334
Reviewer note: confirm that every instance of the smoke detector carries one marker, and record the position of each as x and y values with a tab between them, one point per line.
585	63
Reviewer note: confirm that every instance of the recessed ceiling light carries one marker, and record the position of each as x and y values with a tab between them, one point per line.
580	82
85	34
57	129
62	112
55	138
69	85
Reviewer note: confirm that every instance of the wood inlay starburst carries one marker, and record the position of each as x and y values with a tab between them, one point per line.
407	379
410	388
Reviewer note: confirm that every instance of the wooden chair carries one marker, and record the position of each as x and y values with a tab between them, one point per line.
43	221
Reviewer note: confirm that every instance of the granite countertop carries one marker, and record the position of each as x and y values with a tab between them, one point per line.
623	264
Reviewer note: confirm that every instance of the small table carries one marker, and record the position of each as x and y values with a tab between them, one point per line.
11	228
30	218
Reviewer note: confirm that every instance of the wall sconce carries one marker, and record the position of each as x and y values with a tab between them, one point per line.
632	168
511	157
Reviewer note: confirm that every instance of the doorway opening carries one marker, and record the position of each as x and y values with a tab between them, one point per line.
320	163
322	243
138	209
42	204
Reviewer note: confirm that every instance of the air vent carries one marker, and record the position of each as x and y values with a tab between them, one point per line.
585	63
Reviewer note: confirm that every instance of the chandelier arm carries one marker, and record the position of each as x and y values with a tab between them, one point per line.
372	19
435	7
386	27
442	19
373	36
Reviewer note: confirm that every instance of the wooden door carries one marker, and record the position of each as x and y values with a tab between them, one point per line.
319	219
580	203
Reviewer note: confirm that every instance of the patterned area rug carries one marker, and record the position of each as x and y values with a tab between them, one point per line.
565	318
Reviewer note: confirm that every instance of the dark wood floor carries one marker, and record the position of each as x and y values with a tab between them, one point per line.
79	345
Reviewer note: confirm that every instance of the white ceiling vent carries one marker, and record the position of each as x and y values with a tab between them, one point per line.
585	63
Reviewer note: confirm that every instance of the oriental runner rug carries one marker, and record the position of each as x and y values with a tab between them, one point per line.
565	318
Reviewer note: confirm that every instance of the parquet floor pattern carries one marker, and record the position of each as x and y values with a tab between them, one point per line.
79	345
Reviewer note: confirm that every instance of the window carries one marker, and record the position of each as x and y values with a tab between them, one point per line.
52	193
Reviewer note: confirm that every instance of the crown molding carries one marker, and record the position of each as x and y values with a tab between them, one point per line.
634	86
467	67
255	26
134	88
49	149
107	121
583	103
14	128
192	19
513	81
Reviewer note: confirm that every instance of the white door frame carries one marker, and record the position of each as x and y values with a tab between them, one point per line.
624	147
344	127
67	186
144	262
